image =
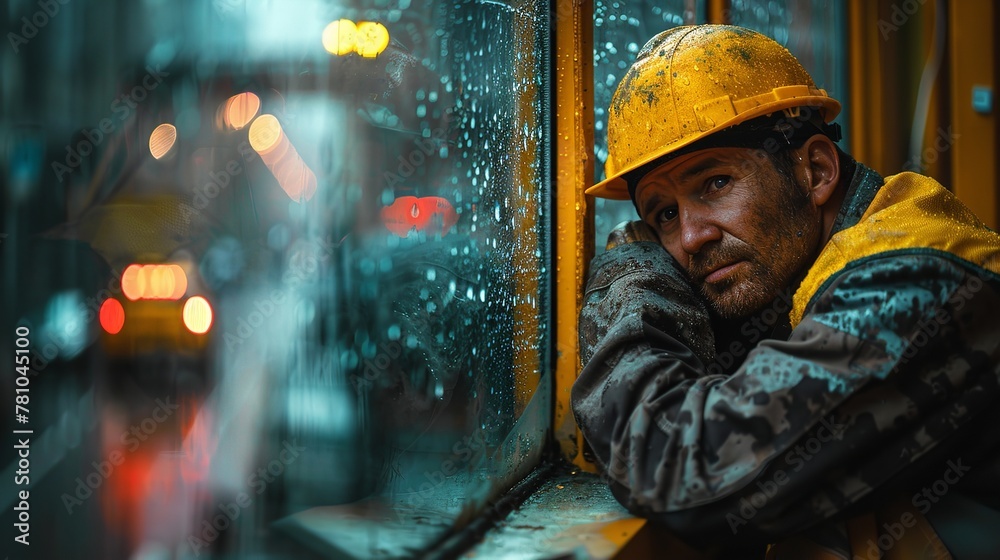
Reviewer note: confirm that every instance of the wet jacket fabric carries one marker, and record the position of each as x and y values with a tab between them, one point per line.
875	388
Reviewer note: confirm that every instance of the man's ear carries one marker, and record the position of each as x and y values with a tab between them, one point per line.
822	172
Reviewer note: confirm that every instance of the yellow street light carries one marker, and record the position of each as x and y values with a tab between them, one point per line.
340	37
373	38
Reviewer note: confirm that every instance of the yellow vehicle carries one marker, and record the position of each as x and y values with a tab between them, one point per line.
160	309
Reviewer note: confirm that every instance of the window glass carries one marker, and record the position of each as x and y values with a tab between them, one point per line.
285	268
620	30
813	30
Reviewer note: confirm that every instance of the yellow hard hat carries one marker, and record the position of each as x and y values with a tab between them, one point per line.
690	82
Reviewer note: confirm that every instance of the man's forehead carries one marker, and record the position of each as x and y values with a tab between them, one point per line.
690	165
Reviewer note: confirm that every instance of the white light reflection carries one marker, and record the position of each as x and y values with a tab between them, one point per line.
317	409
64	330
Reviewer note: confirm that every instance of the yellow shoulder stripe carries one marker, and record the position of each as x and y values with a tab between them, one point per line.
909	211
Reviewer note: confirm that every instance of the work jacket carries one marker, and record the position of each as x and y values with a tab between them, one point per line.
856	415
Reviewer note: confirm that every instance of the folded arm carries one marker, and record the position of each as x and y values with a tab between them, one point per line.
805	427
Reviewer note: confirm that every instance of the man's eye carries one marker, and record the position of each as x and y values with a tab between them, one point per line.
667	214
719	182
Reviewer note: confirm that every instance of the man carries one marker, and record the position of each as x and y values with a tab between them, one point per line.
787	348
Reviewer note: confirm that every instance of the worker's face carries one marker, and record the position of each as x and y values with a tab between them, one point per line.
741	229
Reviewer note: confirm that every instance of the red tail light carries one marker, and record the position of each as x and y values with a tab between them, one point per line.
112	316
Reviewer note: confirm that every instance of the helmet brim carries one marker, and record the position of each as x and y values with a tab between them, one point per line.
616	186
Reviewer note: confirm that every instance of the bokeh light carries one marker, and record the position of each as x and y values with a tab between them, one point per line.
241	109
162	140
154	282
265	133
130	282
197	315
372	39
112	316
431	214
340	37
279	155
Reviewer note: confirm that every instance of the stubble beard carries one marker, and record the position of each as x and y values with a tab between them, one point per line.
744	292
750	289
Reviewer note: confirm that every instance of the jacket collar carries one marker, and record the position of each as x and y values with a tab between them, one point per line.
864	186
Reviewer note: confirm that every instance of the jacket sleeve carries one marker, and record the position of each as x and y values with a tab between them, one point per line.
892	357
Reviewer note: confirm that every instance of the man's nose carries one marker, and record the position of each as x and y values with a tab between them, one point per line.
697	229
